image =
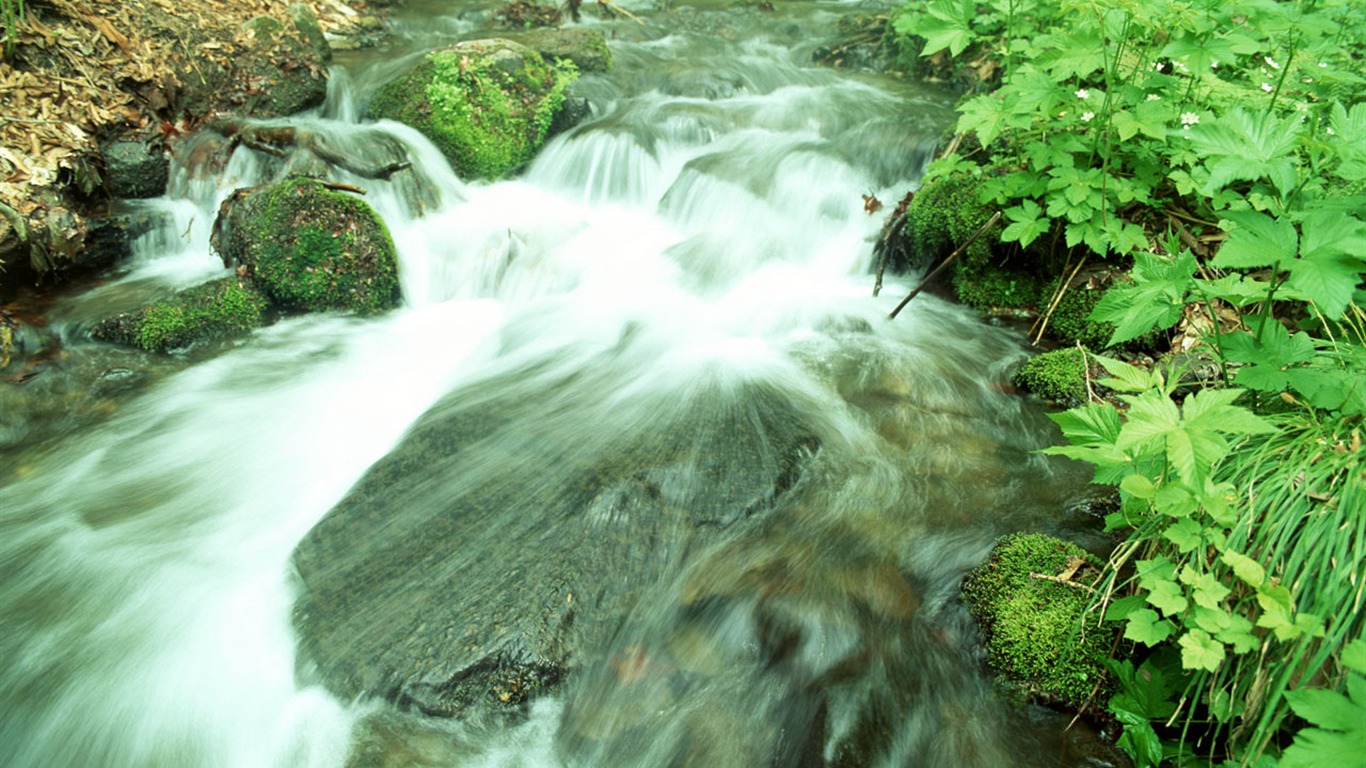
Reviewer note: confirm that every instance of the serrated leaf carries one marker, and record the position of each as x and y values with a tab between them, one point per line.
1185	534
1124	607
1256	240
1328	281
1200	651
984	115
1167	596
1146	627
1127	377
1138	486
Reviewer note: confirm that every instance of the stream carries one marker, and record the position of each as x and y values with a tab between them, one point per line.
690	267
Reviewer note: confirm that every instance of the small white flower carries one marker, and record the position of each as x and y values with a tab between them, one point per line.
1154	97
1270	62
1189	118
1086	116
1181	66
1267	87
1157	65
1331	132
1214	65
1323	65
1083	94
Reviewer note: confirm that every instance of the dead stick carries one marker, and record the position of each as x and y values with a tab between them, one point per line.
935	272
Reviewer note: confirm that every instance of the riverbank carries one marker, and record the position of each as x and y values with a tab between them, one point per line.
87	84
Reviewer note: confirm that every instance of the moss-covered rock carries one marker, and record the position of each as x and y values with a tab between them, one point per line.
1059	376
945	214
1030	600
486	104
310	247
215	310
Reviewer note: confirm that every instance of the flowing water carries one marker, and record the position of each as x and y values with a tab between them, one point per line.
694	250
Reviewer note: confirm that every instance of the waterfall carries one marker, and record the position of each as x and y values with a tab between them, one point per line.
697	245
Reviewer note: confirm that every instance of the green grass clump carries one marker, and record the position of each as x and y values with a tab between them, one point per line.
1039	636
1059	375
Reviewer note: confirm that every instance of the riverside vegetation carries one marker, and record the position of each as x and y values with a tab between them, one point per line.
1210	159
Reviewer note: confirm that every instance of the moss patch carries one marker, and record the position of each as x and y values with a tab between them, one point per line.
946	213
1059	376
487	105
312	248
216	310
1034	629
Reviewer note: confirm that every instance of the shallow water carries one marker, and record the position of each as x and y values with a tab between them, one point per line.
700	239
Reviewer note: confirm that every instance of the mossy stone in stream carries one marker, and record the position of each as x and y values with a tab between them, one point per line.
310	247
486	104
1058	375
215	310
944	215
1030	600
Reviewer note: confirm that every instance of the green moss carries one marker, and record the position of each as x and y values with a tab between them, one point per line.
1059	376
487	111
946	213
316	249
1036	638
215	310
1070	321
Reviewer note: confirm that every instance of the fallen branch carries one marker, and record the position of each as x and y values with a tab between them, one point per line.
935	272
279	140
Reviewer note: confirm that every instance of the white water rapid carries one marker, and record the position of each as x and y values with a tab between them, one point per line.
701	234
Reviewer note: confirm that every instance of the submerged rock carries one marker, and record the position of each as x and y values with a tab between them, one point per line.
494	551
310	247
486	104
215	310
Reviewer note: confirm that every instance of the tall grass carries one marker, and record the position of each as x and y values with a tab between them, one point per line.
1304	494
11	15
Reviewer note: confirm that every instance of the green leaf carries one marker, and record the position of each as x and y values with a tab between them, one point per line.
1238	634
1243	146
946	24
1138	486
1090	424
1070	55
1270	355
984	115
1028	223
1354	655
1200	651
1185	534
1154	300
1209	592
1127	377
1340	738
1256	240
1167	596
1146	627
1245	568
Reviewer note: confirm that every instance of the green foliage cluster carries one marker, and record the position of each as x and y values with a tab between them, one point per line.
316	249
1058	375
215	310
486	116
945	212
1237	131
1038	636
11	16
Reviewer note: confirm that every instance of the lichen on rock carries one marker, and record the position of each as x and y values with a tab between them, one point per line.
215	310
1031	600
310	247
486	104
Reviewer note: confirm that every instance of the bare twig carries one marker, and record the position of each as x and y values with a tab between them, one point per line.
935	272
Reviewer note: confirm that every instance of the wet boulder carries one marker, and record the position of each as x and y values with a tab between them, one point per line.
310	247
277	68
218	309
497	549
135	167
486	104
